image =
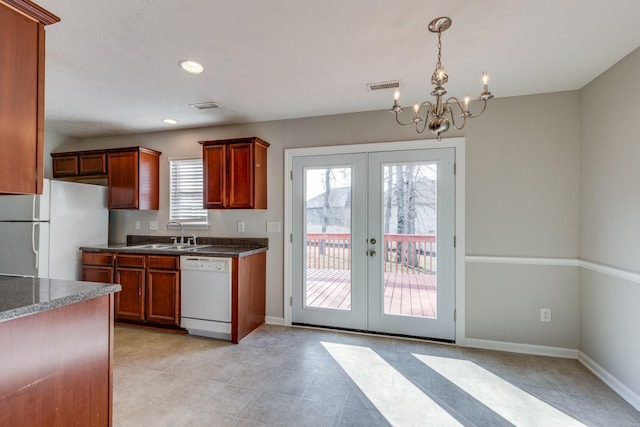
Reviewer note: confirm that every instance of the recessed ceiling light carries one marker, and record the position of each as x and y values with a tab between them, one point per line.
170	121
192	67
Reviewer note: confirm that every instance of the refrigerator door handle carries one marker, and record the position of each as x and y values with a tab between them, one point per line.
35	250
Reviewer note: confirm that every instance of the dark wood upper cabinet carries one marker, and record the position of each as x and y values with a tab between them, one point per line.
92	164
133	176
235	173
80	164
22	95
214	160
64	166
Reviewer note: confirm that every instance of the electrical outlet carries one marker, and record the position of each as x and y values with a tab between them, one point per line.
240	226
273	226
545	315
136	225
153	225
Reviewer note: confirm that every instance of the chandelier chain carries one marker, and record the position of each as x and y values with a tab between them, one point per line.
438	74
439	64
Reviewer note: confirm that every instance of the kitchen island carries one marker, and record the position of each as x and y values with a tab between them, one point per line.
56	352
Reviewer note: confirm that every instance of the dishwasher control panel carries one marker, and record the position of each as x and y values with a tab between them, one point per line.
205	263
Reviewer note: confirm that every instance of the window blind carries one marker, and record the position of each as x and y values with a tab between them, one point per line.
185	197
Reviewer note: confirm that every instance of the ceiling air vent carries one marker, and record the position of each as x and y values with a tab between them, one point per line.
383	85
204	105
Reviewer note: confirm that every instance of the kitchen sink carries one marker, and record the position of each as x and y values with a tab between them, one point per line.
199	248
169	246
150	246
196	247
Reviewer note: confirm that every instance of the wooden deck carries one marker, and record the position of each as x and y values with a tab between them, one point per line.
404	293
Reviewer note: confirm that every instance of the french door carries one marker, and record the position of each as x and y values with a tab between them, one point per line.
373	242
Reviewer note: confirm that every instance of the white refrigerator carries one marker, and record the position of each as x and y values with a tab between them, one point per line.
40	235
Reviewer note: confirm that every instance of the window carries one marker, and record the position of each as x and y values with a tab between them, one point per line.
185	192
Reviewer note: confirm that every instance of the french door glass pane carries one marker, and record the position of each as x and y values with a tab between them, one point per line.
327	282
409	244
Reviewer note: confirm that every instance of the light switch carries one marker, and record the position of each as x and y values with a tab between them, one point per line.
153	225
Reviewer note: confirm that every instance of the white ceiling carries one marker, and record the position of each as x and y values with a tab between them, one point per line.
112	65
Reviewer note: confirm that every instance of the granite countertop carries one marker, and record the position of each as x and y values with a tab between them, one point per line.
22	296
207	246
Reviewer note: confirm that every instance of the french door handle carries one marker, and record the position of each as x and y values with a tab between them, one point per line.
372	254
372	241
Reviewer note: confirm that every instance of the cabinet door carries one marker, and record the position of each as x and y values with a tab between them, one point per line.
21	91
240	175
96	273
215	176
92	164
123	180
163	302
129	303
65	166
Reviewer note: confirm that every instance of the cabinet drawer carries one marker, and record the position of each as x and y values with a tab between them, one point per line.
92	164
130	261
94	273
97	258
65	166
163	262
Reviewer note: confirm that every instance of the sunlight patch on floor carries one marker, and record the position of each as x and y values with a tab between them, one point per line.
397	399
513	404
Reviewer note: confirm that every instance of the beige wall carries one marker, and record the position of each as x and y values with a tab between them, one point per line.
522	201
522	191
504	301
522	184
609	221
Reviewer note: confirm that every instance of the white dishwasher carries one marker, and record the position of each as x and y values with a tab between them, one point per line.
206	296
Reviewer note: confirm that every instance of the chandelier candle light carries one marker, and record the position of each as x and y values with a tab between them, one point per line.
435	115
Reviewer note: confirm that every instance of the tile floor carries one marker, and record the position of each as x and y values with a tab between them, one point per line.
298	377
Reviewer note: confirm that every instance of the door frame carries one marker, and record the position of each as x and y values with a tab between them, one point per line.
457	143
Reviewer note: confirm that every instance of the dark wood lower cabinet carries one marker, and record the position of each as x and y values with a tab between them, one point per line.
98	267
151	288
55	366
248	294
150	285
130	301
130	274
97	273
163	290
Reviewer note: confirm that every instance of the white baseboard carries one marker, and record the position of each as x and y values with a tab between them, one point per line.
270	320
538	350
617	386
625	392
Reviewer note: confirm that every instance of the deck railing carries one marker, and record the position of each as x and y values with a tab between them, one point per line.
406	253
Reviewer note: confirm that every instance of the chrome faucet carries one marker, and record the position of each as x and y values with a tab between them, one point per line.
181	229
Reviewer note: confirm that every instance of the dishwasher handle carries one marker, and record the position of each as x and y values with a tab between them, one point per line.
222	265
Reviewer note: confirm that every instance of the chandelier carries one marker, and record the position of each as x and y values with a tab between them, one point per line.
440	115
